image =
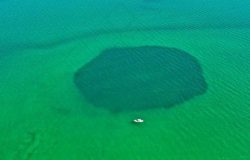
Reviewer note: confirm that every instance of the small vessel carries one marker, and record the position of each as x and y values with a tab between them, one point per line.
138	120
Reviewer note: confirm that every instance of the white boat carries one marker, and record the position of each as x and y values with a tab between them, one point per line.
138	120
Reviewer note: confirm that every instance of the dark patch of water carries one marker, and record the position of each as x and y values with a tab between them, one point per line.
140	78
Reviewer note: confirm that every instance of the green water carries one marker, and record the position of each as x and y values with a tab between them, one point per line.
44	116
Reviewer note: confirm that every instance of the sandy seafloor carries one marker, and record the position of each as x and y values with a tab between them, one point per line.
44	117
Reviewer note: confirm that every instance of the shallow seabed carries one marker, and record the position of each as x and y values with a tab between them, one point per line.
44	116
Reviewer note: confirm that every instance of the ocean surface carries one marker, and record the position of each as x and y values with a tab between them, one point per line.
65	66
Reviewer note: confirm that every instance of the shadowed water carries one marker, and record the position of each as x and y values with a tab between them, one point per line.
139	78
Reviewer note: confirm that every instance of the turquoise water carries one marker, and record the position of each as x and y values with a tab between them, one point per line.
44	116
46	23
